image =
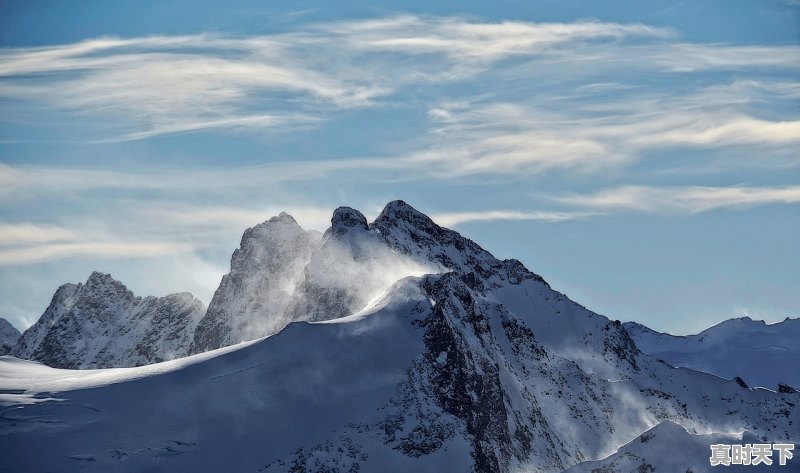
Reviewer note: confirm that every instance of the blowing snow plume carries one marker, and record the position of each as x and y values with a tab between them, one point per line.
282	273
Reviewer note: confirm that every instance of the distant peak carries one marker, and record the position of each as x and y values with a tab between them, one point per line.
283	217
399	210
272	227
345	218
105	282
398	204
400	207
745	321
97	278
6	327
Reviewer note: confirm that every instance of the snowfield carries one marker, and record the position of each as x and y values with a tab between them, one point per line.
759	353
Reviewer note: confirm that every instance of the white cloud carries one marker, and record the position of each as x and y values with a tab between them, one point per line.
121	249
684	57
705	130
156	85
26	243
692	199
20	233
580	133
462	40
248	122
21	181
595	121
456	218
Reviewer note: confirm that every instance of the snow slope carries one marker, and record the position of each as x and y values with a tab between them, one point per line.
480	367
669	447
761	354
103	324
8	336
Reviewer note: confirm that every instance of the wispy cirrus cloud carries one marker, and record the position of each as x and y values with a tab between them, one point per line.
25	243
461	40
157	85
578	132
23	181
457	218
25	232
115	249
689	199
174	84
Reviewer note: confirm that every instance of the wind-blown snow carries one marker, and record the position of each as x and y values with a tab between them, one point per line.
252	298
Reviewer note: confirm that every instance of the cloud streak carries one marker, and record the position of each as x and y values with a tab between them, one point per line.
457	218
18	233
120	249
159	85
686	199
585	133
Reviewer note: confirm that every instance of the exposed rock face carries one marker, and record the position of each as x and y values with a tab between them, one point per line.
252	298
8	336
102	324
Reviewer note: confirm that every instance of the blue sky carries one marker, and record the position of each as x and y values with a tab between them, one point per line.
641	156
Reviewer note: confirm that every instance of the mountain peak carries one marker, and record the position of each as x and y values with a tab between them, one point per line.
8	336
283	217
345	218
102	324
105	283
400	210
100	278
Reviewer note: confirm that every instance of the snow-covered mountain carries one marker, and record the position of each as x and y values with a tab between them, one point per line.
669	447
101	324
251	300
756	352
478	366
8	336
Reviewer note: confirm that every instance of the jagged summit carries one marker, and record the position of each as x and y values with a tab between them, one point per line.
401	210
252	298
282	221
283	217
105	283
98	278
8	336
101	323
345	218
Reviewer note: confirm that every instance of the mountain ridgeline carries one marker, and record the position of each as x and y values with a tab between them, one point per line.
8	336
102	324
396	345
